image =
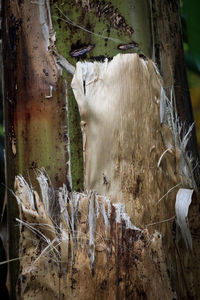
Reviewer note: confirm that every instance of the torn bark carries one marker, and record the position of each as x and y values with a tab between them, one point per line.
96	246
111	244
103	254
119	107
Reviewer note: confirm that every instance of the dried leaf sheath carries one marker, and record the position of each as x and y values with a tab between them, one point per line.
119	107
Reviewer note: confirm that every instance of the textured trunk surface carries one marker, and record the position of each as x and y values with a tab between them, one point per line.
101	253
169	55
123	244
118	239
35	103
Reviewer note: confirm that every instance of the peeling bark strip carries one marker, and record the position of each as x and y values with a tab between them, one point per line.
119	106
135	148
94	248
119	102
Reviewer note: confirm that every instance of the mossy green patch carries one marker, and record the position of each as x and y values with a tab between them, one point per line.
103	26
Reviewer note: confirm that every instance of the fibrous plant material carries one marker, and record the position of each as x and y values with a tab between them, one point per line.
92	248
180	136
119	104
129	155
112	97
97	240
111	113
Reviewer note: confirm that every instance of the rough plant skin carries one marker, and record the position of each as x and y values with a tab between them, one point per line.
105	254
112	242
34	98
36	124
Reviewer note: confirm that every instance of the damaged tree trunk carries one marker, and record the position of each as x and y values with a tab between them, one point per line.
125	236
35	105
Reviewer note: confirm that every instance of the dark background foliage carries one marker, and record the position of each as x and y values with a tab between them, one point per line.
191	39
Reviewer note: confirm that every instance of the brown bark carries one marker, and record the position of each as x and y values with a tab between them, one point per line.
125	257
35	103
169	55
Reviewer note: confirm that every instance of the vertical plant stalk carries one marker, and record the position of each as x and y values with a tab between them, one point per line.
35	104
30	112
109	244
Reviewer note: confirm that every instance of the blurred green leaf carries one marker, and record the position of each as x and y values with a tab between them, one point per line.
1	130
191	33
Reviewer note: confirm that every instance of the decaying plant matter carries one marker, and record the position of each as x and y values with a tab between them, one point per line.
98	241
94	245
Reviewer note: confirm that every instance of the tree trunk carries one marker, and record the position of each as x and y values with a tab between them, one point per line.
110	239
35	105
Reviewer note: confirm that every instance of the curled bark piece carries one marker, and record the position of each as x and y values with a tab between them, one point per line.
183	201
65	64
